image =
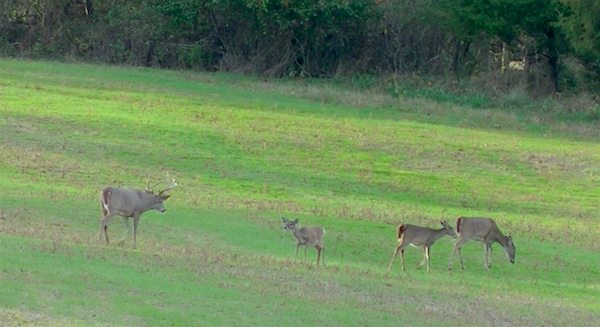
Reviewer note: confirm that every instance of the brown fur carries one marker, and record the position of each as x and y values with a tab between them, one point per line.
128	204
483	230
419	236
306	236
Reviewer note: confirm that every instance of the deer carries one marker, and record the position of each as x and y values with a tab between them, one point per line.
419	236
129	203
483	230
306	236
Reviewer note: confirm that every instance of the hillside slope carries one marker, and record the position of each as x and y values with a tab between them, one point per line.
246	152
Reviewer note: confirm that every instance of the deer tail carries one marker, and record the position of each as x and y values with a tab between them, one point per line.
104	200
458	224
401	229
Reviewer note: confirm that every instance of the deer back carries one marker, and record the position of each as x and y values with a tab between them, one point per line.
125	202
309	235
477	228
410	233
418	235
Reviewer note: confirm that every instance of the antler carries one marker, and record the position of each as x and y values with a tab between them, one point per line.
148	188
172	186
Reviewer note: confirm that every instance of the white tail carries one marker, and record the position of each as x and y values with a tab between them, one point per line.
419	236
483	230
129	203
306	236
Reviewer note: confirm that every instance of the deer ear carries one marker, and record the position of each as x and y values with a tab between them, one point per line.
296	221
164	197
284	220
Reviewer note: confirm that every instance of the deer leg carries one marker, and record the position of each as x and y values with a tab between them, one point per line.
457	247
136	219
297	247
489	257
462	265
305	247
106	233
127	229
104	215
485	264
398	248
104	226
452	257
427	256
424	260
402	259
101	230
393	257
318	253
486	258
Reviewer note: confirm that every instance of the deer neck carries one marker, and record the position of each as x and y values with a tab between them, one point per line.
500	238
298	232
148	201
439	233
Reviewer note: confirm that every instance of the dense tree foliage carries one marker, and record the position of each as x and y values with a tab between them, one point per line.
318	38
509	21
582	29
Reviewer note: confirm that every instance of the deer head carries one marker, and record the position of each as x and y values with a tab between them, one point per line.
289	224
510	249
161	195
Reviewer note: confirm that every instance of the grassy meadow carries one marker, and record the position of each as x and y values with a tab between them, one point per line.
247	151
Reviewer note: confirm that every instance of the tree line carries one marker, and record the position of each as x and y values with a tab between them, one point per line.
552	45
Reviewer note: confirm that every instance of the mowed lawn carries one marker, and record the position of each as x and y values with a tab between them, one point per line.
247	151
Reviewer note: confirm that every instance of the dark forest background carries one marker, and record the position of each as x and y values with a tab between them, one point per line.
544	47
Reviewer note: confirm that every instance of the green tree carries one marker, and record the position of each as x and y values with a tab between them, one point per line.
582	30
507	20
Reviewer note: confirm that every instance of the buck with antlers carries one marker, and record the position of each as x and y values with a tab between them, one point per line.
130	204
419	236
483	230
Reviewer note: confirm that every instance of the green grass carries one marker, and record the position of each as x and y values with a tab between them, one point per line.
245	152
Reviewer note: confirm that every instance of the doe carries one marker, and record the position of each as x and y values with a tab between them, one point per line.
306	236
483	230
419	236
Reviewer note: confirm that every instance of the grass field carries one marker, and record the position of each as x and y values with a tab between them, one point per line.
247	151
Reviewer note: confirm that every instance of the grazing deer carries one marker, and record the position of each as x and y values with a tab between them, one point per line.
483	230
419	236
307	236
129	204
